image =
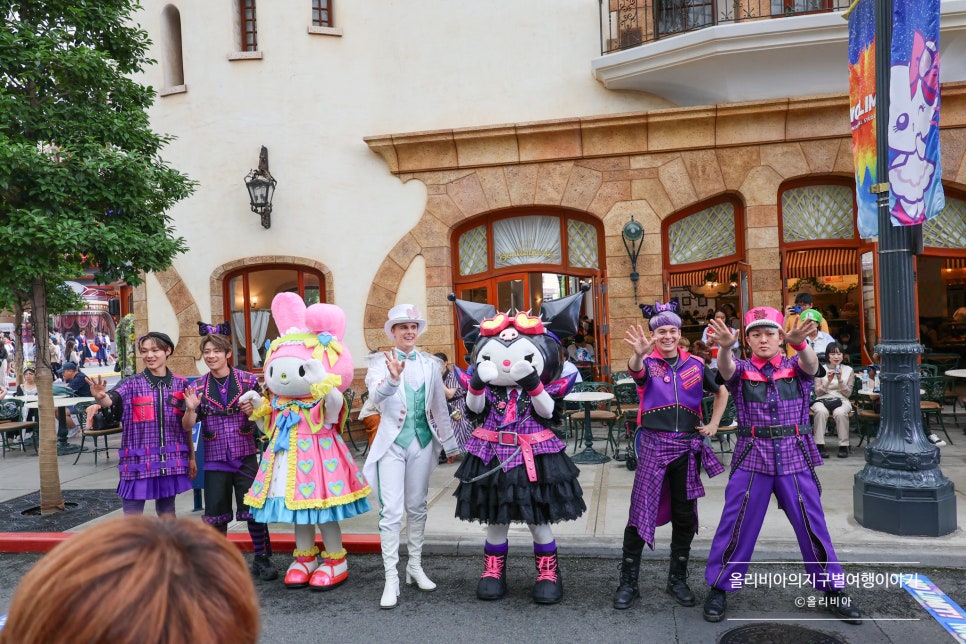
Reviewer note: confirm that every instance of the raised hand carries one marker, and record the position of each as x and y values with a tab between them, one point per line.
191	400
637	337
98	387
721	332
394	365
800	330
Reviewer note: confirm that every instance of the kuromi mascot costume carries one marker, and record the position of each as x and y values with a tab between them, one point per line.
516	469
406	385
307	475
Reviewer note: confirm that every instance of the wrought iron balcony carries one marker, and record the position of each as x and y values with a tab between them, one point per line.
629	23
713	52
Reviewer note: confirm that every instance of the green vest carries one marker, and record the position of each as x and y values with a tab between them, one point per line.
415	424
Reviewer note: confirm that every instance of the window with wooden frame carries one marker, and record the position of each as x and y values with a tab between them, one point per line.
249	25
322	13
248	295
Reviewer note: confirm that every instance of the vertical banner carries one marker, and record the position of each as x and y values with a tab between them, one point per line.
862	112
915	169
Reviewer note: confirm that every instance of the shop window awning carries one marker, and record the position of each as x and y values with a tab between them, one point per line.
820	262
696	278
954	262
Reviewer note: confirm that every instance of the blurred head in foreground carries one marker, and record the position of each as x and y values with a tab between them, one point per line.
137	578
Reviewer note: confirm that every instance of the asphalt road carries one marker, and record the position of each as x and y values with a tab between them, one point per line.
351	613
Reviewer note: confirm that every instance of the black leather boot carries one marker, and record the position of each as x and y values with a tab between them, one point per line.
549	586
677	582
715	605
627	590
842	606
492	583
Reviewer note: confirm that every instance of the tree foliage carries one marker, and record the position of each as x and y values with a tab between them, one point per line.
82	181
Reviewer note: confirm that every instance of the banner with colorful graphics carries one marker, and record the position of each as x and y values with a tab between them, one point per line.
915	168
862	112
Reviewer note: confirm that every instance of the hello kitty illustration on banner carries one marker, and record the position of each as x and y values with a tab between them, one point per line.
915	168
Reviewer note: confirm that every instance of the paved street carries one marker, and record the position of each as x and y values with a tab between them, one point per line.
452	613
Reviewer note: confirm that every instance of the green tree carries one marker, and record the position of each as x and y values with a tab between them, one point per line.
82	181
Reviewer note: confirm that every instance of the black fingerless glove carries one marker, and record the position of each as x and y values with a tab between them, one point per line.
476	383
529	382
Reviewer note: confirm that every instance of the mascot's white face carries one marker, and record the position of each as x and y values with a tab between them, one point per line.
503	356
289	376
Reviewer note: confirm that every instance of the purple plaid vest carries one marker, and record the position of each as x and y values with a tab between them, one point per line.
227	432
153	442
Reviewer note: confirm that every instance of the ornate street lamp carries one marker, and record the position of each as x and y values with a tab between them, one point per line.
633	236
261	189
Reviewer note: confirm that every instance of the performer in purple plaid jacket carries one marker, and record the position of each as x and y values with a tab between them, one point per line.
671	447
775	454
157	457
231	457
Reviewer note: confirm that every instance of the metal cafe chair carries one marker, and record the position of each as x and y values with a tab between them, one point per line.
931	406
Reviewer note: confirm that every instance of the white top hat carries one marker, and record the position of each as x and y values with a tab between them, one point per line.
404	313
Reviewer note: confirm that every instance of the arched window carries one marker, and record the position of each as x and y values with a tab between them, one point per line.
517	259
248	294
704	246
820	211
171	47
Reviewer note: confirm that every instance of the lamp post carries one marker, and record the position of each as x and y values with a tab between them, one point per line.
261	189
633	236
901	490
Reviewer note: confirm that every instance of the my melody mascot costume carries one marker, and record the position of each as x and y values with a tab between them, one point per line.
516	469
307	475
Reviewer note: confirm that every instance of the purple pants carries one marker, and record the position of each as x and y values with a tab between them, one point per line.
734	541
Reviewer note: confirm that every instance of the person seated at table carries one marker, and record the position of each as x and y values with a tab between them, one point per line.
848	341
580	351
143	579
77	382
832	393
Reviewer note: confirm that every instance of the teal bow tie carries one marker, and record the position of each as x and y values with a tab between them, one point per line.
406	356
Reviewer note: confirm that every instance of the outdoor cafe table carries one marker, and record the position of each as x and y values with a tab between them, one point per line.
588	399
956	373
61	403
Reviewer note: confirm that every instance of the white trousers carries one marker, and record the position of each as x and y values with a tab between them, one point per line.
402	482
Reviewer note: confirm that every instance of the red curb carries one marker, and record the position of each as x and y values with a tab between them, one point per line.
18	542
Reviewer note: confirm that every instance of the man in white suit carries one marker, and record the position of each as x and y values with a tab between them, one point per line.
407	387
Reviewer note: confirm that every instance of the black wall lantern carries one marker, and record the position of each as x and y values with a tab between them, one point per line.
633	236
261	189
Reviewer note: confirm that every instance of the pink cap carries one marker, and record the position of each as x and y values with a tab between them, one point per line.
763	316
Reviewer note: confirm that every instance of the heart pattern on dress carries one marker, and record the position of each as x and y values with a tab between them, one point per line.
336	487
257	488
307	488
361	478
304	443
325	443
264	465
331	464
306	465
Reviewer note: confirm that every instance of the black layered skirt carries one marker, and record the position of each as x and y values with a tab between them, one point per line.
510	497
